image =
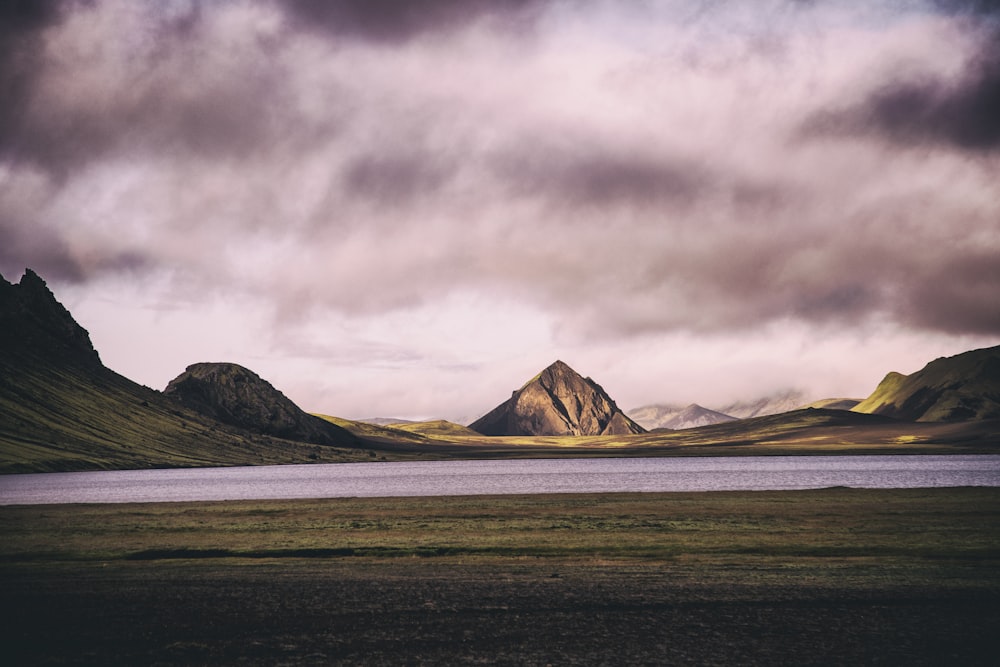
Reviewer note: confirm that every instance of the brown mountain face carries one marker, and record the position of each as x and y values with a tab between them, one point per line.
558	401
236	395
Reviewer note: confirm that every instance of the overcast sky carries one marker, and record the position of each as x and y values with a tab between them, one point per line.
408	209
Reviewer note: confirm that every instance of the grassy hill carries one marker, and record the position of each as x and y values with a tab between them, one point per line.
64	410
439	428
960	388
66	418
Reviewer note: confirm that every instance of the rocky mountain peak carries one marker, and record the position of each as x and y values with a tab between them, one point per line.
236	395
33	322
557	401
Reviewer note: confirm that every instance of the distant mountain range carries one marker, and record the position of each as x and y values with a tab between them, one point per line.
557	401
677	417
62	409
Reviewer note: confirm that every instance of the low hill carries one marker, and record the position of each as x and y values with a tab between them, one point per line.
384	421
237	396
960	388
439	428
834	403
64	410
375	433
557	401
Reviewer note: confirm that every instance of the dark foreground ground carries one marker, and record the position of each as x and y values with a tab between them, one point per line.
406	613
798	578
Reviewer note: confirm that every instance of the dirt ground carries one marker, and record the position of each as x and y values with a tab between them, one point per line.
406	611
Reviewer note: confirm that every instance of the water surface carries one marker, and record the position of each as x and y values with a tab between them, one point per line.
518	476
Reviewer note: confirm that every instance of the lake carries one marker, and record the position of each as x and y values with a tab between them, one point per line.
519	476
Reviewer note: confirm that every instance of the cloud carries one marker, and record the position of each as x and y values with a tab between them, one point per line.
921	108
639	176
390	21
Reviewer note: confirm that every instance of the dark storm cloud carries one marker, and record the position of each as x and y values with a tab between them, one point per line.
925	108
961	295
52	256
22	24
588	174
974	7
163	96
398	20
395	180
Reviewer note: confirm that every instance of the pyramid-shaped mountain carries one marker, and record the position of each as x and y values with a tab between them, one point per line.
558	401
960	388
236	395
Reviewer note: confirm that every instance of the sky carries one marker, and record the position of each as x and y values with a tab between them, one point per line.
408	209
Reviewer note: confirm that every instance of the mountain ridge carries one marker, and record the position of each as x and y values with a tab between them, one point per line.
677	417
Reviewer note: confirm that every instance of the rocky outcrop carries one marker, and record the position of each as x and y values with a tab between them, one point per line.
960	388
236	395
33	324
558	401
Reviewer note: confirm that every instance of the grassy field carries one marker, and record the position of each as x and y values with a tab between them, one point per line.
834	576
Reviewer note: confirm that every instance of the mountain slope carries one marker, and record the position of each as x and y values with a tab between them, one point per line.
62	409
960	388
236	395
558	401
675	417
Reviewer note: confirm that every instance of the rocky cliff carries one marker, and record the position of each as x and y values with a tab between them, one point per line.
34	325
558	401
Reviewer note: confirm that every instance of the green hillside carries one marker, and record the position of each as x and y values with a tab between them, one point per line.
960	388
64	410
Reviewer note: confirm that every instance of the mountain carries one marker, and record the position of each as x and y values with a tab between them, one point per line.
960	388
676	417
772	404
237	396
833	404
36	328
62	409
690	416
558	401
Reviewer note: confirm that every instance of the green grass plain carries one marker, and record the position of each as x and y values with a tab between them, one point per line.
833	576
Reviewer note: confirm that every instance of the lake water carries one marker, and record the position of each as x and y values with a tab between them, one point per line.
448	478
